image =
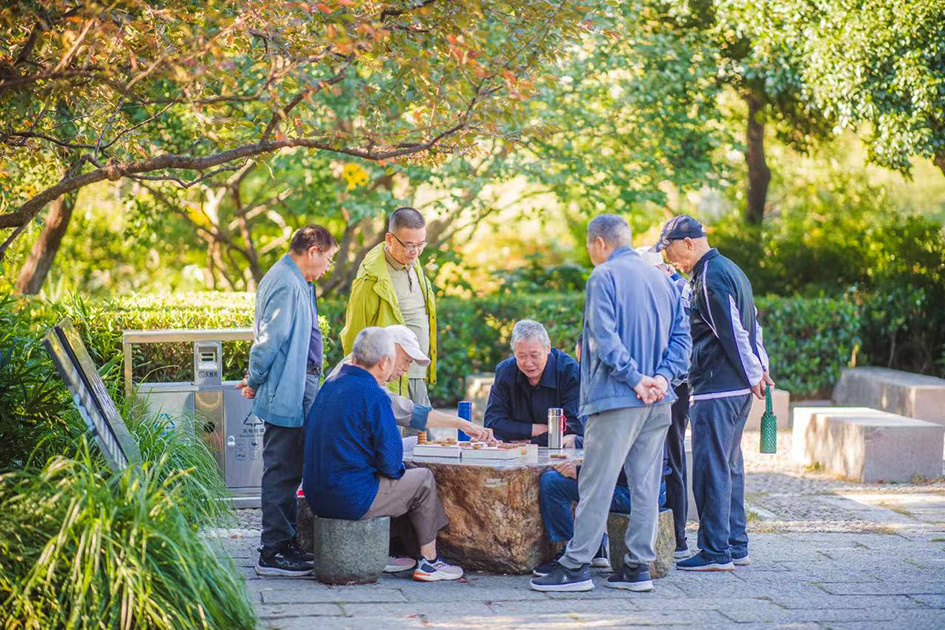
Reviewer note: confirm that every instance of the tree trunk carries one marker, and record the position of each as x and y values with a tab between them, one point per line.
36	268
759	175
939	161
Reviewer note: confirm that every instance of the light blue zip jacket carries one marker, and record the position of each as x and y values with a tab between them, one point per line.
635	325
283	330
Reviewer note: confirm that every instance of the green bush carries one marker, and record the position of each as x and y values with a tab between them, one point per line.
82	548
810	339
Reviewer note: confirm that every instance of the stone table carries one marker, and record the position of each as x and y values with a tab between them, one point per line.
495	520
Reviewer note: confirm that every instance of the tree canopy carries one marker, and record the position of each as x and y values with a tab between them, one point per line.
182	89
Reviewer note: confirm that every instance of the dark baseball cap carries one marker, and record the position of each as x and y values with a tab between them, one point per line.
678	228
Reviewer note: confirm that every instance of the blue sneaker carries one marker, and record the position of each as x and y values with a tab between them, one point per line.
601	559
700	562
563	579
635	578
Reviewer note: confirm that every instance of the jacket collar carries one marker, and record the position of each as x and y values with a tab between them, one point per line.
549	378
295	269
623	250
709	255
394	264
357	372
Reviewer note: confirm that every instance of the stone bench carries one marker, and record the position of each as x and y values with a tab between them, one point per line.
904	393
780	404
867	445
346	552
665	542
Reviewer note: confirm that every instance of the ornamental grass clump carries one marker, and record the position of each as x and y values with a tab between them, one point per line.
83	548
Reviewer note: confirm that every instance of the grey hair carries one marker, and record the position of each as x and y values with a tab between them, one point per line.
612	228
405	217
371	345
529	329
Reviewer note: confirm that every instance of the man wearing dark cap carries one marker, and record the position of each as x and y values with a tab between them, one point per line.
729	364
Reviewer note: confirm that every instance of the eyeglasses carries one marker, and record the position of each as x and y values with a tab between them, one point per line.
410	247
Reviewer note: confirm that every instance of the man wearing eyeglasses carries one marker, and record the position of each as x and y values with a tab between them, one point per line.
391	288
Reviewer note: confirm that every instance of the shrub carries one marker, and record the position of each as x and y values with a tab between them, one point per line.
80	547
810	339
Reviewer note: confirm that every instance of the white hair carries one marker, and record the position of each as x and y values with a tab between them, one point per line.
371	345
612	228
529	330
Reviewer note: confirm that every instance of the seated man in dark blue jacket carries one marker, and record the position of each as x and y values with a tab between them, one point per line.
354	455
536	378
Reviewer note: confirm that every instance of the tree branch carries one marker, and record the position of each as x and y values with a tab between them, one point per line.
113	172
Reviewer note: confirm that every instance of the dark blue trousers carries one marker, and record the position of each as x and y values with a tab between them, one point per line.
559	492
718	475
677	494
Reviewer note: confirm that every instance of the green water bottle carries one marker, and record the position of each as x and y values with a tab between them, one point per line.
769	426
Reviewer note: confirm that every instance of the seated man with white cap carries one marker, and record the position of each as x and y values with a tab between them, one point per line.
406	412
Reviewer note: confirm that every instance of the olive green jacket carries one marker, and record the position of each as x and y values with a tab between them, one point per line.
373	302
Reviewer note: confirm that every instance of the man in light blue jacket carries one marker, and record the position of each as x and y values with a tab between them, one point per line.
636	342
285	364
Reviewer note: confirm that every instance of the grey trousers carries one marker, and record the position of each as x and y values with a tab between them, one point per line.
630	438
283	457
417	391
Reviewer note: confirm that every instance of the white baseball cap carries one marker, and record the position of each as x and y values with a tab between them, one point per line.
650	255
406	339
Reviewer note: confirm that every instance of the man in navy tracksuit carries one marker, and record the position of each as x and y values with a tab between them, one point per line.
729	364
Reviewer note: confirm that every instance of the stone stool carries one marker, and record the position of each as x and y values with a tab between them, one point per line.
665	542
350	552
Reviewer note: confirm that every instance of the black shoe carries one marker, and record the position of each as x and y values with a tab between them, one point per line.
635	578
544	569
602	557
282	563
563	579
298	552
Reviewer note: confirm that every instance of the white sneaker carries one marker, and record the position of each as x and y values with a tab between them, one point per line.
435	571
681	554
741	562
396	564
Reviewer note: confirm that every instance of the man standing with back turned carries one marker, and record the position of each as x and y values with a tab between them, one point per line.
729	364
635	343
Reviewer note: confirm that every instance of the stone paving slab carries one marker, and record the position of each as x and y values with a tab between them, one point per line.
827	553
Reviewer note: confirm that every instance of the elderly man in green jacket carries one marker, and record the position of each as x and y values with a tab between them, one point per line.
391	288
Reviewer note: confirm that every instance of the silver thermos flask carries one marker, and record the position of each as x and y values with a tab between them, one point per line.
555	427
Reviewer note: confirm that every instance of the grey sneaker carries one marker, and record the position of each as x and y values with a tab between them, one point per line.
635	578
435	571
563	579
396	564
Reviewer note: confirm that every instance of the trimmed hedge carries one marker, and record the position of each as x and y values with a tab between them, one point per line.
809	339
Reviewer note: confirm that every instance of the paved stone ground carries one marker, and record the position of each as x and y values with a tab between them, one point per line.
827	554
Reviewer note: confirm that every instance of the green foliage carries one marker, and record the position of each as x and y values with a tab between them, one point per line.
631	110
82	548
535	277
122	84
809	341
876	64
904	302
